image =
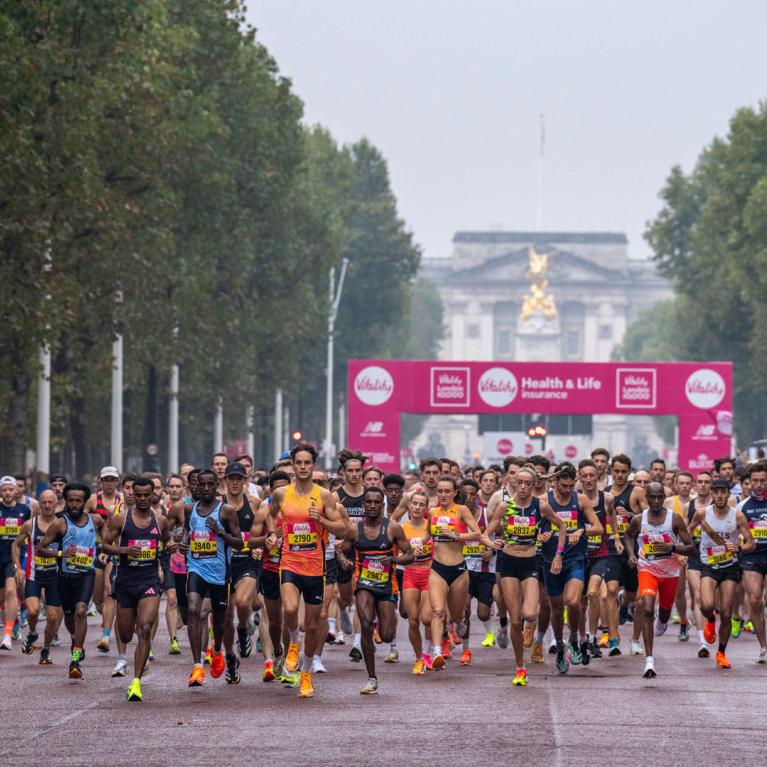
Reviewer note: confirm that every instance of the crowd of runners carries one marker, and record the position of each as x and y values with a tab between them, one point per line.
286	561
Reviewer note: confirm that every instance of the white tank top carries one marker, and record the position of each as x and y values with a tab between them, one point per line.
712	553
661	564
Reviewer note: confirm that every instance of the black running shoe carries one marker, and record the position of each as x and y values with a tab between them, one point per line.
29	644
232	664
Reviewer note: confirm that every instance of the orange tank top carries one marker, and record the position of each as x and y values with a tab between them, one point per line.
416	535
303	539
445	519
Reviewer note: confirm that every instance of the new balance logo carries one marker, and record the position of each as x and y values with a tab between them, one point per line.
706	430
373	427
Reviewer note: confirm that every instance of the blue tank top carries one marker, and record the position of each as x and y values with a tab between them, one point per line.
84	540
208	555
573	518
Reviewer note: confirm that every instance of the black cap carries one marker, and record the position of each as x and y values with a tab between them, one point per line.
720	483
235	470
58	477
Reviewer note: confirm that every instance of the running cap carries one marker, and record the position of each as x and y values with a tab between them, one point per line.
720	484
8	480
235	470
109	471
58	478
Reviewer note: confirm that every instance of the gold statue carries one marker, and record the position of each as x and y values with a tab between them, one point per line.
537	301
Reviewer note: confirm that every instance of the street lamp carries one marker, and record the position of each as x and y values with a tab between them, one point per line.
335	300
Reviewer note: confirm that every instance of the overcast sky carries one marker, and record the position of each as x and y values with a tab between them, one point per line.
451	92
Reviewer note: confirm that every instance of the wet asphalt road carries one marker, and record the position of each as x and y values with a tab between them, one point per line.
693	713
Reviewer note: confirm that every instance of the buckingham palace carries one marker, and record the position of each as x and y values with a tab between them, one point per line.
540	296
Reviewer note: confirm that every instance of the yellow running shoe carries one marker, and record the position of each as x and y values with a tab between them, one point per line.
418	668
489	640
291	659
134	691
536	655
520	680
604	640
173	648
528	634
306	690
209	653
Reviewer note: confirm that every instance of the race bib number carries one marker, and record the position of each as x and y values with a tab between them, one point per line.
758	529
623	525
442	526
204	543
652	545
81	558
302	536
474	549
41	561
570	518
147	549
374	571
595	541
718	555
425	550
521	527
10	526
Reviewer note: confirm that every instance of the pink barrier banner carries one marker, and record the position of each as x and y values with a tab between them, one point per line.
698	393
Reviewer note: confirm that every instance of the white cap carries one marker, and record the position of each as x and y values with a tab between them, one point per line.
8	480
109	471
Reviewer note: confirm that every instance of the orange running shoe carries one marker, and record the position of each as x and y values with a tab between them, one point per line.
376	636
721	660
454	638
438	663
465	658
291	659
536	654
196	677
447	648
418	669
709	631
528	634
268	675
217	664
305	689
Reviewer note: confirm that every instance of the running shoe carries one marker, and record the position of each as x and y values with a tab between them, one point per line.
268	673
23	617
454	636
575	653
649	669
703	652
133	692
345	619
465	658
150	658
217	664
376	636
709	631
553	647
461	629
614	649
427	664
92	611
684	634
78	654
174	647
528	634
594	649
438	662
675	617
45	657
305	689
55	642
232	664
585	657
762	655
74	670
355	654
371	688
520	680
502	638
196	677
488	641
244	644
291	659
748	627
339	639
636	648
6	643
447	650
392	657
29	644
103	644
536	654
721	660
289	680
318	667
330	638
208	654
418	668
120	667
16	632
561	661
660	628
736	626
604	640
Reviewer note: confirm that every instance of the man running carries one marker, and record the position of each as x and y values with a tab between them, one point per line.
373	541
75	533
601	458
679	503
12	516
307	513
42	577
58	482
657	530
723	526
139	534
218	464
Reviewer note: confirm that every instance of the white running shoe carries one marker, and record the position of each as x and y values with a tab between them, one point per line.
345	619
318	667
120	668
649	668
6	643
660	628
762	655
636	648
371	688
339	639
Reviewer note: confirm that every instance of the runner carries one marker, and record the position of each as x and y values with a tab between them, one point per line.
21	495
218	463
42	577
720	570
393	485
58	483
176	565
658	531
564	588
373	541
601	458
12	516
519	521
75	533
306	513
701	501
754	564
136	536
679	503
657	473
451	526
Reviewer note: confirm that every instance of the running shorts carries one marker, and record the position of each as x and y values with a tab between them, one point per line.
481	587
130	591
572	569
664	588
269	585
218	592
49	584
448	573
311	587
520	568
755	563
75	589
731	573
416	578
